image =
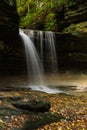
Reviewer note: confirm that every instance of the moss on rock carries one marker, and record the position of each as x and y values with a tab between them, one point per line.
79	27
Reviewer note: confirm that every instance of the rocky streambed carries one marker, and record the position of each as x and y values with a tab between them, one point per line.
61	112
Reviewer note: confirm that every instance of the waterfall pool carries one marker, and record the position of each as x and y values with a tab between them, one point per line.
36	79
68	83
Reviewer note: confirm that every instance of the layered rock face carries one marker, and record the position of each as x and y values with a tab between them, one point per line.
75	18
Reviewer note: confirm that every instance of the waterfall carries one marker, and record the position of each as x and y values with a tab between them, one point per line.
33	61
31	35
35	74
40	39
51	51
46	45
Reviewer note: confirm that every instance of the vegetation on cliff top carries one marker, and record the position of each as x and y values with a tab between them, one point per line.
47	15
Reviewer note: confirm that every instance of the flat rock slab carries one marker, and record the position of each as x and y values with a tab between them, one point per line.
34	106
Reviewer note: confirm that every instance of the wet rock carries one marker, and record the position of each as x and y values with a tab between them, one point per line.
34	106
16	98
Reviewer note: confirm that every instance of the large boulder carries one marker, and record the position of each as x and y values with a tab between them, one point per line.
34	106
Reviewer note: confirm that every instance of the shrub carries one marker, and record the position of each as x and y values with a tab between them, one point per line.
50	22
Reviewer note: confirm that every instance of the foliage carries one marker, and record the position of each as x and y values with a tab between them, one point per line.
50	22
33	14
25	21
40	14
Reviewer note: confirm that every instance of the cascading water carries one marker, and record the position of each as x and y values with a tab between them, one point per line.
33	62
50	45
34	66
46	45
31	35
40	36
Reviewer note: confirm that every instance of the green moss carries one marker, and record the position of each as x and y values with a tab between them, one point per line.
79	27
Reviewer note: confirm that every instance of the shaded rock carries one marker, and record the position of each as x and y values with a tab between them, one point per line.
34	106
76	19
45	120
9	19
78	15
71	15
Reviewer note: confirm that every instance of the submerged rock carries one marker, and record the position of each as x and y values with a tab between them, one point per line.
34	106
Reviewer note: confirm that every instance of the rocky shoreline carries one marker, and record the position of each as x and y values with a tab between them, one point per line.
65	111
